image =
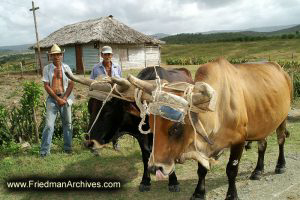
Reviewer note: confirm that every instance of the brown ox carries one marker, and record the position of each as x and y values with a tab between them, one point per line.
252	100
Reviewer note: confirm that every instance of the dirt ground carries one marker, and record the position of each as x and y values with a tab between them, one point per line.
271	186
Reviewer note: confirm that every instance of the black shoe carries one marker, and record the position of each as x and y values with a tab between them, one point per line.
43	155
68	151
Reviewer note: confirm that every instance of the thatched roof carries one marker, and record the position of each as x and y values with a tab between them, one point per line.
106	30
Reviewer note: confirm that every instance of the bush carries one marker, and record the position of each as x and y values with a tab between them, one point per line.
22	118
5	135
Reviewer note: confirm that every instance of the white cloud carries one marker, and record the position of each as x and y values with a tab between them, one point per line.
166	16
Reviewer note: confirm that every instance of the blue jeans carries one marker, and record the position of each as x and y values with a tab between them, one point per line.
66	116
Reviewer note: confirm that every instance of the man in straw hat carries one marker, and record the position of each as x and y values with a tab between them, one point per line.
108	68
60	99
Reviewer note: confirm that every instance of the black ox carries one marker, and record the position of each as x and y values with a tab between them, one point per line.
117	118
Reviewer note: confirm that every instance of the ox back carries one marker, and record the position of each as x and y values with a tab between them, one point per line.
114	120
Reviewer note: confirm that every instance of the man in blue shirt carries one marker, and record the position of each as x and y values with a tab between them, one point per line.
60	99
106	67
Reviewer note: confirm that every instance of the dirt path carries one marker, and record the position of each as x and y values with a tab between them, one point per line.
271	186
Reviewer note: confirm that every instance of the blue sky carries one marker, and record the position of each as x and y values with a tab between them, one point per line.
149	17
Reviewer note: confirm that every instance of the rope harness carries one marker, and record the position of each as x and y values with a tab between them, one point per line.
164	104
173	103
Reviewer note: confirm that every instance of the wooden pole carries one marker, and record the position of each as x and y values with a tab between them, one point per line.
36	130
292	82
21	69
83	65
37	37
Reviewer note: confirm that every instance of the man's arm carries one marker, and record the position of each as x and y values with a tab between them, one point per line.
49	90
69	90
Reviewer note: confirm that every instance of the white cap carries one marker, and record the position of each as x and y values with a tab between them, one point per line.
106	49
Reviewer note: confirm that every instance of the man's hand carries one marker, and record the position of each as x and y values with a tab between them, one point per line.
61	101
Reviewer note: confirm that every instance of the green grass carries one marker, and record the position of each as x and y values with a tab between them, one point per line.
273	49
125	165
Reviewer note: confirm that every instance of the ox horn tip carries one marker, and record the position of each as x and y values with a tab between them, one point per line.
142	84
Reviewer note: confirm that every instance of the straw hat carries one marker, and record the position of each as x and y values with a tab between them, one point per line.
55	49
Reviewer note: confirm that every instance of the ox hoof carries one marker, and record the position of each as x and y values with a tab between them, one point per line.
231	198
174	188
256	175
280	170
95	152
144	188
198	197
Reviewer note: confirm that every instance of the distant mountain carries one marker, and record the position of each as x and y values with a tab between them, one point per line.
192	38
16	48
270	28
257	29
159	35
293	29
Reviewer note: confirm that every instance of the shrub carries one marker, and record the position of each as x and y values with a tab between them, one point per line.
5	135
22	118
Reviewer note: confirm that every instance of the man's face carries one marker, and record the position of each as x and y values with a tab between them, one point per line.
106	56
57	57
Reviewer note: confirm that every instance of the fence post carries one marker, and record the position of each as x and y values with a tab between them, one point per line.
292	82
21	65
36	130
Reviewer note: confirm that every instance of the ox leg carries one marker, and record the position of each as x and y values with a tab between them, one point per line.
145	183
248	145
173	183
282	133
256	174
232	170
199	193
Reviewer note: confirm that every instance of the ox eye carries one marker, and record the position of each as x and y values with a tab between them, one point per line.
176	129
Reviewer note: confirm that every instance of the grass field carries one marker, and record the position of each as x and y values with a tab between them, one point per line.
260	50
126	166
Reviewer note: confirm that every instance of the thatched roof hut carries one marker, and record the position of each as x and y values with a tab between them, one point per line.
82	39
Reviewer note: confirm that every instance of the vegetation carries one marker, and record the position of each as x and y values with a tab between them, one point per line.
12	63
20	124
255	51
244	36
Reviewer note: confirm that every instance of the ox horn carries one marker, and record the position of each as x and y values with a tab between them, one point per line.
204	96
83	81
199	128
122	84
143	85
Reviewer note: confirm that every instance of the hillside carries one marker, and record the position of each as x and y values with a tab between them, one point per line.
16	49
255	29
192	38
255	50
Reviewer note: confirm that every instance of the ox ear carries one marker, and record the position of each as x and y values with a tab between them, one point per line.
204	97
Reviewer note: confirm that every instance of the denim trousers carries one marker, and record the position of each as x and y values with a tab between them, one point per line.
52	108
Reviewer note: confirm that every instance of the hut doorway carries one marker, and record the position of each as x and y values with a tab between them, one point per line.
79	61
